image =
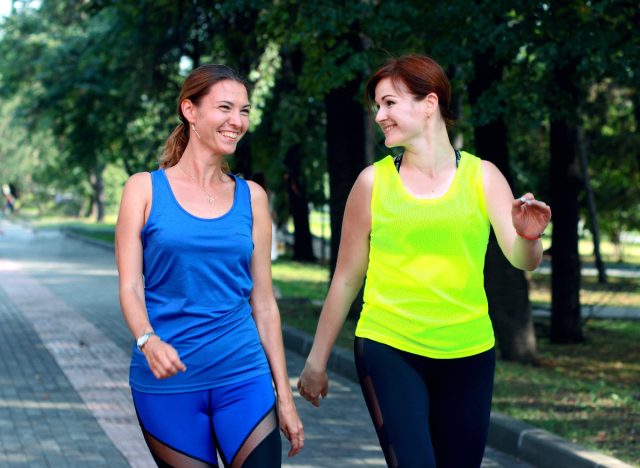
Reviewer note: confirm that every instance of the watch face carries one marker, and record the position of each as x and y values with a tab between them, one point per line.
142	340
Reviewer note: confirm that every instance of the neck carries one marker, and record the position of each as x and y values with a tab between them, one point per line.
431	153
205	168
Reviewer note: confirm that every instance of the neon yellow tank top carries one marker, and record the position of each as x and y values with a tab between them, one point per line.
424	291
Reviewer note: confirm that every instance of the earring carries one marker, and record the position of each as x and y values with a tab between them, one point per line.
194	129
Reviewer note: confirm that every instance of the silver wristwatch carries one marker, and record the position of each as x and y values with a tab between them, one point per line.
141	341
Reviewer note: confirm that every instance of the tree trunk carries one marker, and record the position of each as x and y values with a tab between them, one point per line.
565	260
97	184
591	207
298	207
346	157
346	153
241	161
507	287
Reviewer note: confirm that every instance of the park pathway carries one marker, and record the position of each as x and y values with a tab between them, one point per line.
64	354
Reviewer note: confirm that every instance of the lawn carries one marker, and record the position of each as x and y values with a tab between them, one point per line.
588	393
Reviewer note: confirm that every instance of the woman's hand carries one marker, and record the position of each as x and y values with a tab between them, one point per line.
163	359
290	424
313	384
530	217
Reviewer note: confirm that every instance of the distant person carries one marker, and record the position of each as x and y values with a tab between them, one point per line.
417	226
260	179
9	199
192	247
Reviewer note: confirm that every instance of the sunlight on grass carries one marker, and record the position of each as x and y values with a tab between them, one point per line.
300	280
588	392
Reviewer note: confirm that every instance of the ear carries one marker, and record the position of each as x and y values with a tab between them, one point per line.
431	104
189	110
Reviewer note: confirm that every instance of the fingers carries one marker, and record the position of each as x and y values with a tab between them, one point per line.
525	199
292	428
313	385
164	361
528	202
314	399
297	442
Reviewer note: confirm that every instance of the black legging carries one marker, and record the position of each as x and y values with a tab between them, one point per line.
427	412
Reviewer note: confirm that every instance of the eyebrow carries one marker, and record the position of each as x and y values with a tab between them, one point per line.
229	103
387	95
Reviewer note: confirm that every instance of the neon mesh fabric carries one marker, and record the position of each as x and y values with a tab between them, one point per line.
424	290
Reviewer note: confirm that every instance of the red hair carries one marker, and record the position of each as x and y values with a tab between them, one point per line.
421	75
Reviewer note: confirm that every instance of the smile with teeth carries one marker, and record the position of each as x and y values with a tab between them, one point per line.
386	128
231	135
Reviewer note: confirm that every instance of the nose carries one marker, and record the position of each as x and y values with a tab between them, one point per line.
235	119
380	115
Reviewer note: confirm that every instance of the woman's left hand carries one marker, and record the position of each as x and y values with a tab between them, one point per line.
290	424
530	216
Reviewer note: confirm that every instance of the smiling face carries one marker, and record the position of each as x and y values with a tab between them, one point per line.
400	116
221	117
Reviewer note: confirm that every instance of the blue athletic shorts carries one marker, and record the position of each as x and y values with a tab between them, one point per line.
180	427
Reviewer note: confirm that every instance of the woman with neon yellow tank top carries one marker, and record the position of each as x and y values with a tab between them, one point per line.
417	227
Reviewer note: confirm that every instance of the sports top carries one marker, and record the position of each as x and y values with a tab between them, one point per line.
197	285
424	291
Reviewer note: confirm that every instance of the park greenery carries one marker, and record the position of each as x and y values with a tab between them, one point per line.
547	90
585	392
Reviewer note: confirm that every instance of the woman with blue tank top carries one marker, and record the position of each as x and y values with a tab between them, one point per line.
417	226
193	246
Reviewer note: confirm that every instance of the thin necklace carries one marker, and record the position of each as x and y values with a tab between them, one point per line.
210	198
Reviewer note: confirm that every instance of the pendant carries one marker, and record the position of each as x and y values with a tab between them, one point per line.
210	199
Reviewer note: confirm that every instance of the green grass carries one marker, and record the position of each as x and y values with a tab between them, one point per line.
620	292
103	231
300	280
588	393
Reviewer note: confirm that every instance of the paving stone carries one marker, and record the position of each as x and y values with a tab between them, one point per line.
70	354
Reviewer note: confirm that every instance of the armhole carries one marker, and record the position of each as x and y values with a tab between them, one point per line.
247	189
151	200
377	168
481	193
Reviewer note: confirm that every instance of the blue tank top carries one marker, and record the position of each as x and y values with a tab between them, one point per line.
197	285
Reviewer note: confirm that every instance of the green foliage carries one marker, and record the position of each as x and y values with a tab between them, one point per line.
88	84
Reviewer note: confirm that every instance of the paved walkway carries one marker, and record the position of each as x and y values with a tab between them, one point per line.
64	396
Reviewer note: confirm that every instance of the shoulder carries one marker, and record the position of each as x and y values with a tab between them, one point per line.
255	188
490	171
258	194
364	180
139	183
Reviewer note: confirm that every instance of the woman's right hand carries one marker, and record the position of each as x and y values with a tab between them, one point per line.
313	384
163	359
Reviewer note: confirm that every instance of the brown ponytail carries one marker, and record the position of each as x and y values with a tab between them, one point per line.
194	88
174	146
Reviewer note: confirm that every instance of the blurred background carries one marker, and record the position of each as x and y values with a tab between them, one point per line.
548	91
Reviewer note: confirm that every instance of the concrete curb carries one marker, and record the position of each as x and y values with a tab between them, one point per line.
535	446
89	240
542	448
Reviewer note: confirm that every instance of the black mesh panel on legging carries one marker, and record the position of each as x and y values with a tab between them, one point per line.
262	448
166	456
371	399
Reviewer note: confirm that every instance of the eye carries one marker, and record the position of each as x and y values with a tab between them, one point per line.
244	111
224	107
389	103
